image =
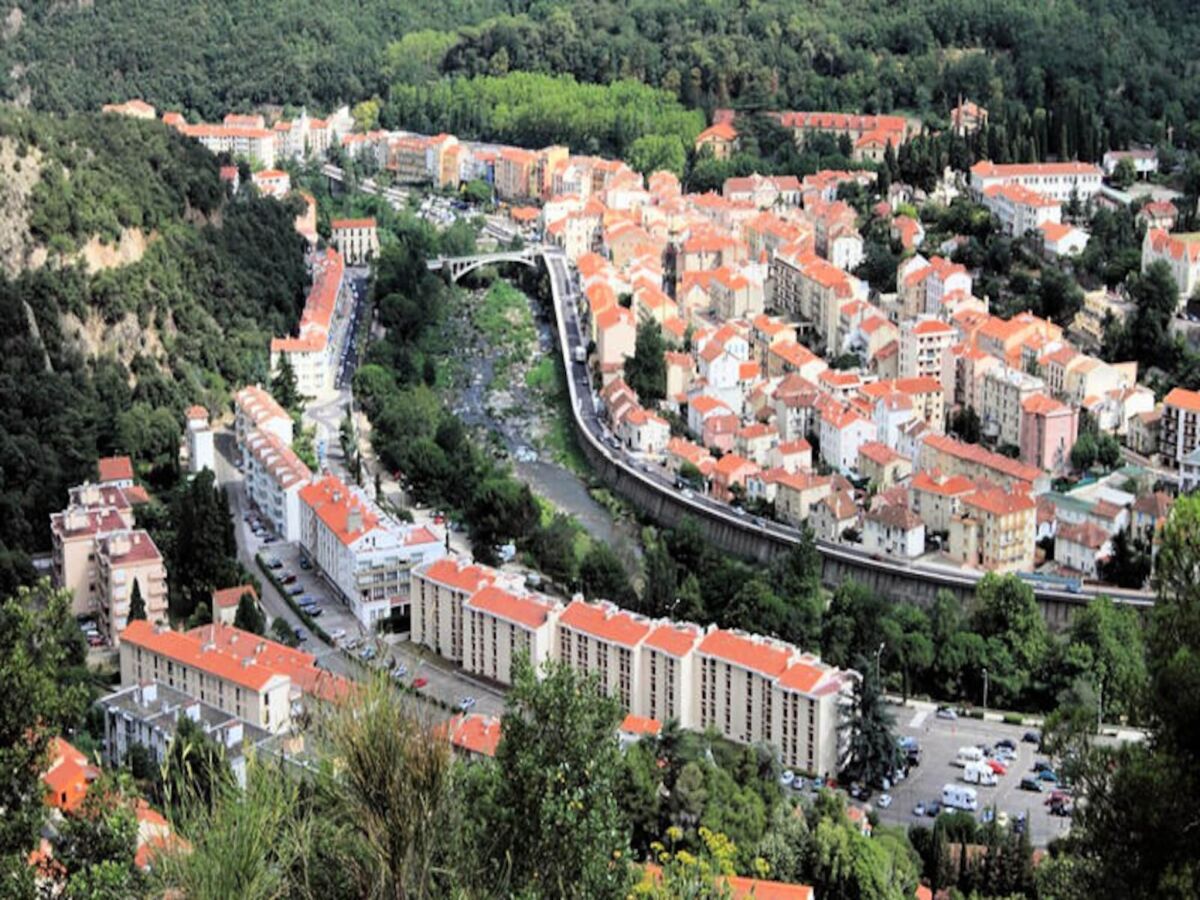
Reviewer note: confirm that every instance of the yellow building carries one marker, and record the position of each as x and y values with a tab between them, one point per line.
996	531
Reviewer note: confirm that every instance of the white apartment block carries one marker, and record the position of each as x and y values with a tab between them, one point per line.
250	143
256	410
362	552
357	240
438	592
311	356
923	345
125	559
274	476
1055	181
200	449
500	624
1020	210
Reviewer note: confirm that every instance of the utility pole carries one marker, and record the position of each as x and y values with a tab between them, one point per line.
878	656
985	688
1100	708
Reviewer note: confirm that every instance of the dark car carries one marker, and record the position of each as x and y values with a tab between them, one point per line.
1006	743
296	590
1029	783
1032	737
933	808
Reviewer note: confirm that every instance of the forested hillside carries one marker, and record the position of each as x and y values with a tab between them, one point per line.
102	353
1075	76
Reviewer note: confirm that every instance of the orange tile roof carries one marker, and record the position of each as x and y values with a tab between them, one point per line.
352	223
115	468
225	598
1181	398
475	733
333	503
935	483
742	651
525	610
999	502
879	452
676	640
722	131
632	724
68	776
185	649
988	169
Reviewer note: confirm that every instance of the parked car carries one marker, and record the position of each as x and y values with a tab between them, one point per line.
419	683
933	808
367	654
314	611
301	635
945	712
94	640
288	578
1040	765
296	590
1048	775
798	783
1032	737
274	564
305	564
1006	744
337	634
996	766
1029	783
884	801
466	703
919	809
353	643
786	777
399	671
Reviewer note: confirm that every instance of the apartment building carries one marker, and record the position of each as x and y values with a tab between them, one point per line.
125	559
954	457
360	551
309	352
892	529
274	476
148	715
73	536
438	593
1056	181
923	345
720	139
996	531
937	498
255	144
1004	392
1020	210
1048	432
500	623
1181	253
357	240
1178	426
200	450
515	174
239	685
602	640
668	673
754	689
254	409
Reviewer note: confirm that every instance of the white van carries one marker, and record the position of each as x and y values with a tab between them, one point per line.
956	796
968	755
980	774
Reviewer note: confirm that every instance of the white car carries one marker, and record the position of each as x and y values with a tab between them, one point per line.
786	777
884	801
337	634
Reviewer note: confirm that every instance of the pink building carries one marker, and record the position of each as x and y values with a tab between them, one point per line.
1048	432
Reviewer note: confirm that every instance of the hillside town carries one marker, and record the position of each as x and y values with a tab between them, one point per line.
731	350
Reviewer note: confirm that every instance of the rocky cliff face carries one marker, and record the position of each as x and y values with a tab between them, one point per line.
20	170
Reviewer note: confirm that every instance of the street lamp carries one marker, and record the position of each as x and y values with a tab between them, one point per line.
878	656
985	688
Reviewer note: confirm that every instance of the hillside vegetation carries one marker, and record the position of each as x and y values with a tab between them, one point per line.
1074	75
107	362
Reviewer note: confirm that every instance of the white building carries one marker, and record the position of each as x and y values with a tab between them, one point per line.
256	410
894	530
843	431
357	240
274	476
923	344
310	353
1020	210
1082	547
360	551
1181	253
201	454
1055	181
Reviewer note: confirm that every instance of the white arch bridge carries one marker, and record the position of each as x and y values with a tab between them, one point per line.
458	266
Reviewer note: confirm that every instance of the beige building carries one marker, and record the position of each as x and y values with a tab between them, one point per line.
357	240
996	531
754	689
937	498
923	344
438	593
123	559
1177	427
73	536
498	624
242	687
796	493
602	640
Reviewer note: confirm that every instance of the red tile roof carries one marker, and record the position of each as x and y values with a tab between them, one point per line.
632	724
676	640
115	468
229	597
456	575
745	652
187	650
605	622
524	610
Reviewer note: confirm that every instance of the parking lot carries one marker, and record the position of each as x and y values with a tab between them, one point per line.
940	740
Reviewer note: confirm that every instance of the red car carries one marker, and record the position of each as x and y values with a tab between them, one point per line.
419	683
996	766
